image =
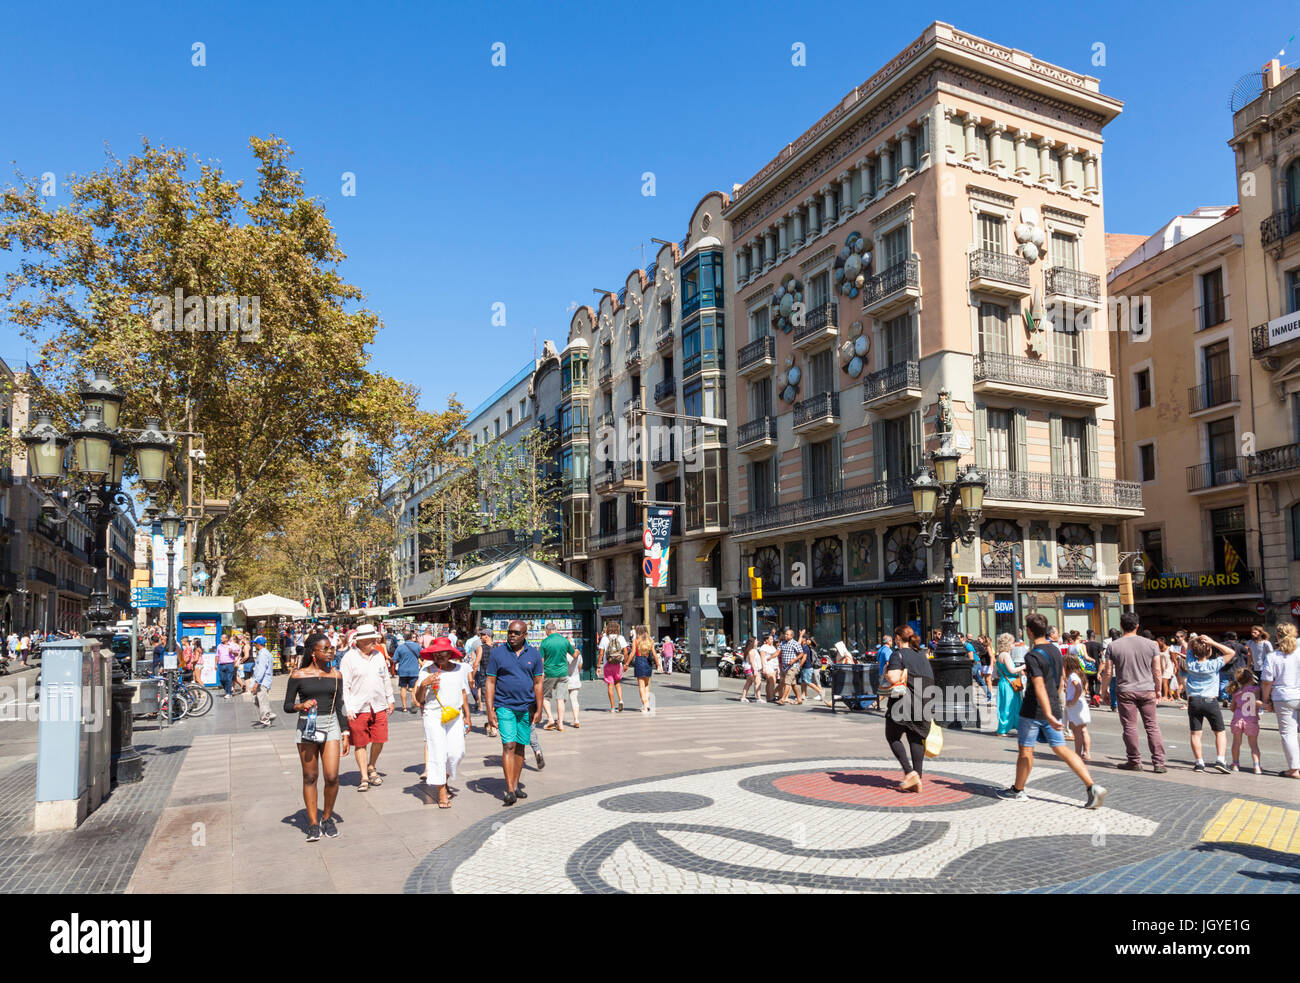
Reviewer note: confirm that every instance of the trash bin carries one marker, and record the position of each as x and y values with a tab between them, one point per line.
851	685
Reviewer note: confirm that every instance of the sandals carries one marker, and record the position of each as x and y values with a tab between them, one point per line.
364	786
374	778
574	725
550	726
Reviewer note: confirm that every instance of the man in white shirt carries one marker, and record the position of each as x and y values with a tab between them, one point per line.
368	700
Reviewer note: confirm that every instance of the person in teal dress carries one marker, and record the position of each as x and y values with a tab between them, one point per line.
1008	696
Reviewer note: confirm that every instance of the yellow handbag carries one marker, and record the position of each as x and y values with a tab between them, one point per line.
934	741
448	713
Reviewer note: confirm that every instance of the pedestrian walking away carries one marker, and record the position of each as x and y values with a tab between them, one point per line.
315	693
1136	668
643	669
260	682
368	698
514	701
555	649
443	695
407	656
1040	715
910	710
575	681
613	650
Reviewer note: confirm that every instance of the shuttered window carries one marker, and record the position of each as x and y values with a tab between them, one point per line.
999	439
993	235
995	334
897	338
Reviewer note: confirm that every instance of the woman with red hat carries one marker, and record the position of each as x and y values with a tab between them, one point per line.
444	696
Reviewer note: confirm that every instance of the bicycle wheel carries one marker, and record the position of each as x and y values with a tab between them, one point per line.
200	700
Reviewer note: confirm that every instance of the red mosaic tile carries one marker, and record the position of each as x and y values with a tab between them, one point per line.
871	788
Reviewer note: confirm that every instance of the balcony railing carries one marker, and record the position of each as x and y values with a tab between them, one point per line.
817	321
41	574
817	407
897	277
1243	580
756	351
665	389
606	419
605	476
631	404
634	357
74	586
846	502
606	374
650	273
1228	471
763	428
1039	374
1216	392
990	265
664	337
878	385
1279	225
1062	489
1274	460
1065	282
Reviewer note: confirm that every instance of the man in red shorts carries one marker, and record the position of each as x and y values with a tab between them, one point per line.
368	699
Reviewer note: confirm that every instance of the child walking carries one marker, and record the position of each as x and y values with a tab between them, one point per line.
1076	706
1245	717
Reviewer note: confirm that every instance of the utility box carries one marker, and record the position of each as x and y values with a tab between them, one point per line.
703	624
74	737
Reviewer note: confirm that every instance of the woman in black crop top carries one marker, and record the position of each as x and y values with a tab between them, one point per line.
316	685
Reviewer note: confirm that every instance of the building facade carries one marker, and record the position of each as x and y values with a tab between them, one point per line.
658	344
925	264
1266	143
1186	398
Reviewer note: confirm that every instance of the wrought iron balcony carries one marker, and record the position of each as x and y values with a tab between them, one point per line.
634	357
664	338
756	434
1062	281
606	476
1039	377
1273	461
43	575
1214	393
817	412
606	419
821	324
1279	225
629	405
758	356
1216	474
892	385
665	389
839	504
895	284
650	273
1195	583
996	272
1061	489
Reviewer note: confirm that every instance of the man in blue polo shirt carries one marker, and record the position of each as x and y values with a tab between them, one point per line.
514	701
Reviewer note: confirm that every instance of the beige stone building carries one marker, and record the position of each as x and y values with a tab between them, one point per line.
1186	399
913	241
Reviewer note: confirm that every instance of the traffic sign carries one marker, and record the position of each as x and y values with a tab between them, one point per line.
1261	608
149	597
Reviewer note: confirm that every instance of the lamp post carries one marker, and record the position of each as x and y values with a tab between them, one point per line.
171	530
1137	569
99	453
956	495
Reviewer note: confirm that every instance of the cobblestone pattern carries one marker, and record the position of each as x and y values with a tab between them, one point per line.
100	856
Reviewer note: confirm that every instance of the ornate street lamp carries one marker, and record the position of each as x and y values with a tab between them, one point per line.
171	530
99	455
948	506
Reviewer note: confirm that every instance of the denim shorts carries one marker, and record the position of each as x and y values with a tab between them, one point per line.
806	676
1031	730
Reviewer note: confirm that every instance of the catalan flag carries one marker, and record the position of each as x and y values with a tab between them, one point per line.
1230	557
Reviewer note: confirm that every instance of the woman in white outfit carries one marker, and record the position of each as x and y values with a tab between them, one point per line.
444	687
575	681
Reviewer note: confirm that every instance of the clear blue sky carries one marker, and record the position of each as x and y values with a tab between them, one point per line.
522	184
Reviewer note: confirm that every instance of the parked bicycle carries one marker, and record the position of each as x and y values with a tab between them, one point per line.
190	699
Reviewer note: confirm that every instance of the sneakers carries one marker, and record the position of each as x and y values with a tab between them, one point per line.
329	827
1096	796
1130	766
313	833
1259	770
1221	766
1235	767
1199	766
541	762
1159	769
744	699
1015	794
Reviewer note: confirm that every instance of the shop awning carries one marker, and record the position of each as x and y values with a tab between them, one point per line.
706	550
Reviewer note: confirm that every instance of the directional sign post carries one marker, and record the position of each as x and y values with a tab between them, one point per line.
149	597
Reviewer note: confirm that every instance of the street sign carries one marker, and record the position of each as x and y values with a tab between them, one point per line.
149	597
1295	609
1262	608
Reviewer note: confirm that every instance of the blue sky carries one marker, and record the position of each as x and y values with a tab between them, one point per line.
522	184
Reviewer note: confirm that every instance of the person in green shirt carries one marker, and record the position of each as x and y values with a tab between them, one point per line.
556	650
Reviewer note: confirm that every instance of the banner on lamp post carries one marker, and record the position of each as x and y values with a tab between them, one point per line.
160	559
658	527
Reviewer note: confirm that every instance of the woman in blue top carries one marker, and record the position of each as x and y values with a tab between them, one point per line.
1011	686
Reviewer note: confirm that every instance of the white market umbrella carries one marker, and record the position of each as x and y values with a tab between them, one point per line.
272	606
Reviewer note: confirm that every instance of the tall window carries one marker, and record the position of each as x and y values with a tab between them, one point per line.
1213	309
820	290
1153	549
1142	383
706	503
897	456
1221	436
1293	291
762	484
634	336
999	437
896	247
1147	461
821	372
822	467
760	324
896	337
1217	365
702	343
1065	250
1228	529
702	283
1067	343
1291	184
1073	447
510	419
995	334
665	316
760	398
993	233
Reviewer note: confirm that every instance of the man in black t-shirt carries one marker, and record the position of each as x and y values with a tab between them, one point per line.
1040	715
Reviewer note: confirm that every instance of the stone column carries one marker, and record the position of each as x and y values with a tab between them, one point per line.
1022	154
782	241
906	155
970	154
945	141
814	219
755	259
796	217
998	146
846	195
886	167
741	273
1069	179
769	245
867	191
828	207
1045	161
1090	174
